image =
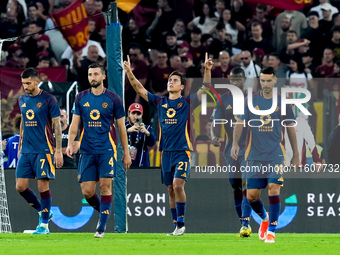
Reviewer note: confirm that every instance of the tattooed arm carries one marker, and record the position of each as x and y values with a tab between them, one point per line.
58	156
73	131
137	86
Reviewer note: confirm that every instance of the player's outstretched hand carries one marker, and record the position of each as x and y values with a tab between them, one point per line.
127	65
208	64
295	162
58	159
234	151
126	161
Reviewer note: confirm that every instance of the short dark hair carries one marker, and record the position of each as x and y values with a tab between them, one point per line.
17	121
237	71
255	24
268	70
32	4
196	30
181	75
335	29
313	13
292	32
96	65
30	73
220	27
262	7
274	54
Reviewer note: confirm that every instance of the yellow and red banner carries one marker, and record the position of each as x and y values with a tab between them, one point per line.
284	4
73	24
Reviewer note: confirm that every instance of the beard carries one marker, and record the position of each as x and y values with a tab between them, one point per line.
95	84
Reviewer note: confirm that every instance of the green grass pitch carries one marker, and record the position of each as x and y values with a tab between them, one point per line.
84	243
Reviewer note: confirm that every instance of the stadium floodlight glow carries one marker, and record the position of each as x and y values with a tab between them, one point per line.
238	99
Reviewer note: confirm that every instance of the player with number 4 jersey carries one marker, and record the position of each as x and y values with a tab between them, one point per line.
95	110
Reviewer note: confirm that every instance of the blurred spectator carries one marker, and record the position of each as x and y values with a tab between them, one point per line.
240	12
313	33
206	21
280	70
307	60
94	36
12	145
219	7
222	71
99	7
332	81
20	9
43	44
283	42
231	25
158	75
206	40
14	51
334	43
170	46
318	9
69	55
140	136
68	162
179	30
140	70
133	34
29	43
220	43
292	43
196	49
176	63
183	48
259	57
251	70
44	62
328	65
206	136
98	16
164	21
81	66
326	20
191	71
34	14
297	19
10	27
260	16
257	41
24	60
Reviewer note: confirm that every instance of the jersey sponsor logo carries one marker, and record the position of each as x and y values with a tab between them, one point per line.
43	173
39	105
171	112
94	114
105	105
30	114
229	107
266	119
86	104
24	105
165	105
106	212
179	105
287	216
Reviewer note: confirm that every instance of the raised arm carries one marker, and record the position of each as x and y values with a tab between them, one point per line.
72	134
123	139
58	156
208	64
137	86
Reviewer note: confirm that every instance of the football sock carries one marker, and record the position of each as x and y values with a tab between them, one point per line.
246	210
274	211
94	202
46	200
174	216
31	199
105	209
180	207
238	207
258	207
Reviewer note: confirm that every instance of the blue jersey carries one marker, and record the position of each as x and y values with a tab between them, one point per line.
225	112
174	120
12	151
37	114
97	134
266	143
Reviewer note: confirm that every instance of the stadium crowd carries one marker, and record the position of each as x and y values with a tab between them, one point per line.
174	35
